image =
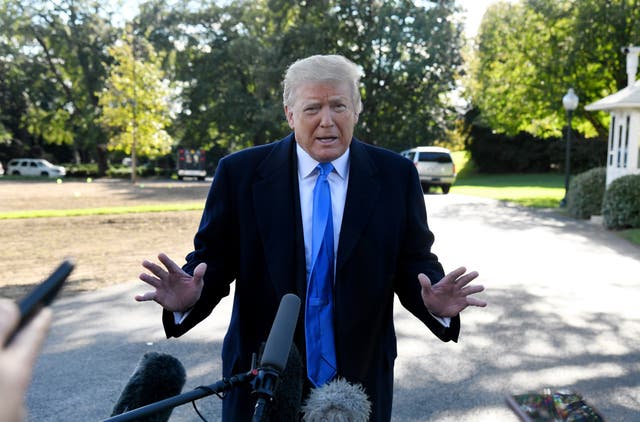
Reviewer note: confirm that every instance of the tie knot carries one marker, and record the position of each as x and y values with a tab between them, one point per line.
325	169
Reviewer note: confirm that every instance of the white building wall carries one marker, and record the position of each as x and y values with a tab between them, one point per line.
623	148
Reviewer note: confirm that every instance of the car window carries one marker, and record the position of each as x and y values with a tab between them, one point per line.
437	157
24	164
33	164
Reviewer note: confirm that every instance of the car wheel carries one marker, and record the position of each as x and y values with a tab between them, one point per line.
425	187
15	173
445	189
44	174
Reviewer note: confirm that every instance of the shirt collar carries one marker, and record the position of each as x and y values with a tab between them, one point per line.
306	164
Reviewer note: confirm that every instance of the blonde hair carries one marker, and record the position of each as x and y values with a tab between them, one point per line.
322	68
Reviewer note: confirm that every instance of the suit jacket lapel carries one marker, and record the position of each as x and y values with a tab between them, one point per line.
275	203
362	195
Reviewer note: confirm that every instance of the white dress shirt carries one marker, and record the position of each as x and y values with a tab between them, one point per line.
338	181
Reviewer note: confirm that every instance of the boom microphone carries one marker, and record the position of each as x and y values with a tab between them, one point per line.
156	377
337	401
276	352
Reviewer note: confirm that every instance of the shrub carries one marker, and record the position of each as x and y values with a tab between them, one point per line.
82	170
621	204
586	192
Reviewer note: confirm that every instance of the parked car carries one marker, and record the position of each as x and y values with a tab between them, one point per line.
435	167
34	167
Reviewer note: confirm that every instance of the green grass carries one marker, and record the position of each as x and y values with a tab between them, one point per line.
101	211
531	190
632	235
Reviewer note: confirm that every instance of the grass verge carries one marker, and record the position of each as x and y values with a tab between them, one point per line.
101	211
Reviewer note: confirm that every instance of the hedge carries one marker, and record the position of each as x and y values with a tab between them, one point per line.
586	192
621	204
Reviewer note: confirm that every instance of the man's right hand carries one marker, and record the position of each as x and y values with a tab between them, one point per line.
175	290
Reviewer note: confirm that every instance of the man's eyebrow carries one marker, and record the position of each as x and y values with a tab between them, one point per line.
311	100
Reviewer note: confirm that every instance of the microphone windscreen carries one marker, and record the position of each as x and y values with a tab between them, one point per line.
157	376
288	395
276	351
337	401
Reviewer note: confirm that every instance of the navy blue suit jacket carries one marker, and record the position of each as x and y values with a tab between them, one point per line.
251	232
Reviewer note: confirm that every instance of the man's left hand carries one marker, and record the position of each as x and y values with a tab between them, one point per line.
451	295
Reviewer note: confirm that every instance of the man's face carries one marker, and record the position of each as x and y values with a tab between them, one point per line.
323	118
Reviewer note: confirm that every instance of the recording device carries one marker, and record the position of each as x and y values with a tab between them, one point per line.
337	400
156	377
42	295
276	353
266	376
288	394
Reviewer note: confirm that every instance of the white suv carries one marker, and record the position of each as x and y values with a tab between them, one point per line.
435	167
34	167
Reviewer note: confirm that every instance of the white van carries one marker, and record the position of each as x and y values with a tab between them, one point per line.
435	166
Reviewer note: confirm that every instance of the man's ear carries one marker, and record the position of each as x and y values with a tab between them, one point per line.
289	114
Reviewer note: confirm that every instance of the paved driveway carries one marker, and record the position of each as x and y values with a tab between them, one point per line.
563	312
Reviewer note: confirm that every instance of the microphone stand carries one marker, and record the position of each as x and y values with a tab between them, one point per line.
221	386
265	385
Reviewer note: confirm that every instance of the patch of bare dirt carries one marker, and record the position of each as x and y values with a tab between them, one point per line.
108	249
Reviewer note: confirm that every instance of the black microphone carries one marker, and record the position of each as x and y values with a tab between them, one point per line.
337	401
274	357
157	376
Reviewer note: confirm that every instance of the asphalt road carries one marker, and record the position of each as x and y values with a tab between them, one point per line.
562	313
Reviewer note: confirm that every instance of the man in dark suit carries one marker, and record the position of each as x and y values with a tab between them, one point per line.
257	229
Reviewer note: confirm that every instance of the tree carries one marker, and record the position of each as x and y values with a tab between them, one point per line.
527	55
135	101
410	57
57	64
233	58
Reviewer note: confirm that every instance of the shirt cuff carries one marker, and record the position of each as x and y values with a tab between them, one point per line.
179	317
445	321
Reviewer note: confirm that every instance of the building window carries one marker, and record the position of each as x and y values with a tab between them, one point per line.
625	151
618	161
612	132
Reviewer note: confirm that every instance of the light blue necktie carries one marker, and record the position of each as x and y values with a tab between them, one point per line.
321	351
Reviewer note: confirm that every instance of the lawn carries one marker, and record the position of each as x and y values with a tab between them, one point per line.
531	190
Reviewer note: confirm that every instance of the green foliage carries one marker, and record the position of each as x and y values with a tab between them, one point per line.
523	153
410	57
528	53
82	170
135	101
52	60
586	192
235	56
621	204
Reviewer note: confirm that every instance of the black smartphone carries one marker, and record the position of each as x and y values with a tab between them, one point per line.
43	294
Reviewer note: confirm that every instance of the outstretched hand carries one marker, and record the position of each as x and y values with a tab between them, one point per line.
451	295
175	289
